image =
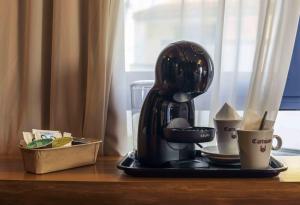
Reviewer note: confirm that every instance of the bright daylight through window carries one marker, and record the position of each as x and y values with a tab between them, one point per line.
227	31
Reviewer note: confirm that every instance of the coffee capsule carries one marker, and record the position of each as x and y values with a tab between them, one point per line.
42	143
62	142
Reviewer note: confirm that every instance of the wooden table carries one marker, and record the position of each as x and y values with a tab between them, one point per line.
104	184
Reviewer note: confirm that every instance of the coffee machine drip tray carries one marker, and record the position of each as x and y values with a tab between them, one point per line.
199	167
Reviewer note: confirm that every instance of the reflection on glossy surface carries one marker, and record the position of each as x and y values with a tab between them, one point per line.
183	67
183	71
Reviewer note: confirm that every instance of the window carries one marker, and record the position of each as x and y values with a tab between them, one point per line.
287	123
152	24
291	96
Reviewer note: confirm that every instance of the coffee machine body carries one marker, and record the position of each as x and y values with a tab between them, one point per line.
184	70
153	148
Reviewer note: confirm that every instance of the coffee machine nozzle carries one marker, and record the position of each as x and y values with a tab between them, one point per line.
166	132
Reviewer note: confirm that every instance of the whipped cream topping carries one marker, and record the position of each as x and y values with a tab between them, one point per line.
227	112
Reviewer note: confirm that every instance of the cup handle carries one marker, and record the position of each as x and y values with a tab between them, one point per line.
279	142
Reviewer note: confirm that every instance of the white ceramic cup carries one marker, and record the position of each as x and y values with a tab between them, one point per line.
227	136
255	147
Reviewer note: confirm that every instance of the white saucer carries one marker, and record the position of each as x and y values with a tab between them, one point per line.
222	161
213	153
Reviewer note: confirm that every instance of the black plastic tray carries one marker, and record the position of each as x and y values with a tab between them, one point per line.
200	167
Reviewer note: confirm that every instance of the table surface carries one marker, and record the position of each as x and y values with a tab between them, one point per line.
104	183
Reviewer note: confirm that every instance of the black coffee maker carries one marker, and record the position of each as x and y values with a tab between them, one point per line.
166	130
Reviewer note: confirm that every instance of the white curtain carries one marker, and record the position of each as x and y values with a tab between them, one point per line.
250	41
275	41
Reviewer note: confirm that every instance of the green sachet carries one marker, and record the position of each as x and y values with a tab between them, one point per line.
39	143
62	142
